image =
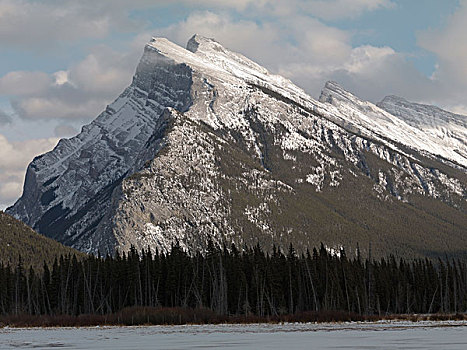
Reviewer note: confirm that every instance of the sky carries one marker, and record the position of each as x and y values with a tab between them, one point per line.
63	61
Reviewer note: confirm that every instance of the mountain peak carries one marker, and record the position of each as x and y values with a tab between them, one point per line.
451	127
157	41
331	84
332	91
206	55
392	98
197	41
212	51
399	106
201	128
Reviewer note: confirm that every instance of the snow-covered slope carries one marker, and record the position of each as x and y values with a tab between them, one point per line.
412	125
205	144
447	129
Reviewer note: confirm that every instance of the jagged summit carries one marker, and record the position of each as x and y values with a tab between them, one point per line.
391	98
401	121
211	58
420	113
446	129
213	51
199	42
333	85
207	145
208	53
333	90
194	42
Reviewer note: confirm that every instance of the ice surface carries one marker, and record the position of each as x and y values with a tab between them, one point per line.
380	335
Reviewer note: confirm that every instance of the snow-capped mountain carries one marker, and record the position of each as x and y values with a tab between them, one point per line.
207	145
425	128
446	129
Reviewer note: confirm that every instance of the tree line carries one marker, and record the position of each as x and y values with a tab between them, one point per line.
235	282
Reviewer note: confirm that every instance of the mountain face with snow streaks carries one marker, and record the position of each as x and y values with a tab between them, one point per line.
448	128
206	145
411	125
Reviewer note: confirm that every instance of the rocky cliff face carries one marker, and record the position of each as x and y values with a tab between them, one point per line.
207	145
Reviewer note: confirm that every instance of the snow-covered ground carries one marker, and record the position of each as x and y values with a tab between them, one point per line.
379	335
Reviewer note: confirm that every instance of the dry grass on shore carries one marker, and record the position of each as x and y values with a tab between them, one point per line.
137	316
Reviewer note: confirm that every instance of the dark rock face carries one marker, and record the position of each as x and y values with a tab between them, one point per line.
68	190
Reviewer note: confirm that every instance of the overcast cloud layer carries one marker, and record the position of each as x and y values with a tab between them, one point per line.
300	39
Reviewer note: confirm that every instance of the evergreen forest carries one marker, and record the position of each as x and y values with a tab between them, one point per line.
229	281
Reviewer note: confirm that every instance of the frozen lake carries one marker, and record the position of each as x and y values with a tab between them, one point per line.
379	335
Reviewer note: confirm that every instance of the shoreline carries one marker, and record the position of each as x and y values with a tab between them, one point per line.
162	317
381	325
430	335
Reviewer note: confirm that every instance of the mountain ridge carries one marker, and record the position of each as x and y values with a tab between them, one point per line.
389	125
205	145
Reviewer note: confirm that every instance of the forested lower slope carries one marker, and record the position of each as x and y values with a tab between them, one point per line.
19	240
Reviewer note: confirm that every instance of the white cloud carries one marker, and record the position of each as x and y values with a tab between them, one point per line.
323	9
38	23
365	56
458	108
254	40
41	24
284	36
9	190
24	83
239	5
449	44
51	107
285	44
310	57
373	72
61	77
300	47
338	9
14	158
16	155
104	71
280	46
81	92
